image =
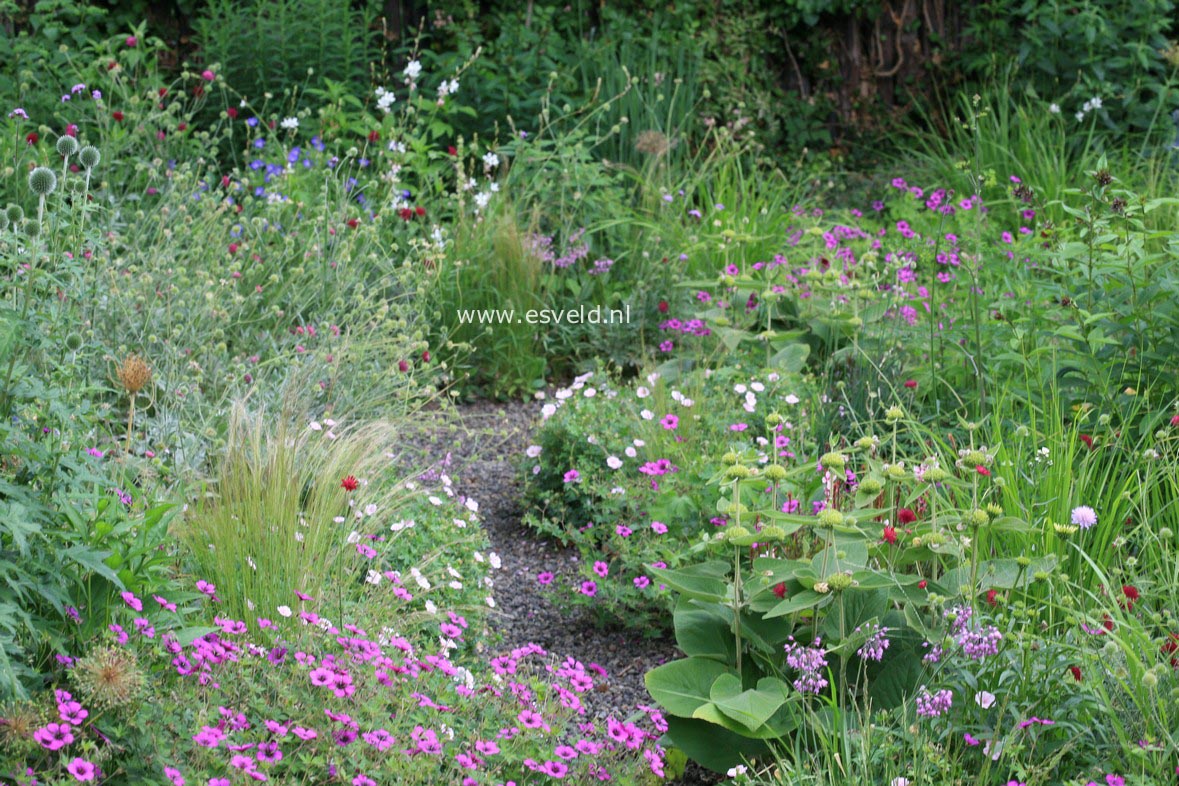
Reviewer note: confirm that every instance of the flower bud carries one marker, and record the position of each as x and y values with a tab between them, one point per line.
893	414
830	517
89	156
42	181
833	460
775	472
67	146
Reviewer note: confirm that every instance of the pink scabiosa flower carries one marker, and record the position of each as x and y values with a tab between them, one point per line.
1083	516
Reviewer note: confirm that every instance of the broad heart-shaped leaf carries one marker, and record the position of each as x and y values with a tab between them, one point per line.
897	677
705	630
683	685
706	581
751	708
996	574
840	557
807	599
858	608
711	745
791	358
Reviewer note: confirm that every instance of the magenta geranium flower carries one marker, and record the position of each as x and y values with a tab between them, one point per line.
670	422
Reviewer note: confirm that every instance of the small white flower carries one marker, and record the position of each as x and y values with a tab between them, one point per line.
642	392
647	414
290	123
370	509
613	462
548	410
459	523
315	426
490	160
899	781
284	611
434	500
638	443
1054	109
494	560
1095	102
630	452
472	505
373	577
450	569
984	699
490	602
299	537
431	608
791	399
385	99
533	451
739	388
353	537
412	69
457	585
1080	116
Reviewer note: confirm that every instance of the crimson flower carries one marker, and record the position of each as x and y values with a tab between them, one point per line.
780	589
1076	672
374	136
992	596
910	383
232	112
405	213
983	471
163	91
118	116
1088	440
451	150
352	222
233	248
31	138
890	535
1170	647
1131	593
419	210
906	516
402	366
349	483
663	306
426	356
922	584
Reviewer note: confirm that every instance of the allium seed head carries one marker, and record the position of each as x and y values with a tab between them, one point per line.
108	677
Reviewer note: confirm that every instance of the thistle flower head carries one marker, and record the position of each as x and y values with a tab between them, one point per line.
89	156
133	374
14	213
67	146
42	181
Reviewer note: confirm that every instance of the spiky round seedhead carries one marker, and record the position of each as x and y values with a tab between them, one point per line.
14	213
89	156
67	146
133	374
42	181
109	677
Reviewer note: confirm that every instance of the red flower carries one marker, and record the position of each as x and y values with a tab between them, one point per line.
906	516
1170	646
402	366
922	584
233	248
910	383
1107	623
374	136
451	150
163	91
983	471
890	535
419	210
1175	420
1131	593
72	130
1088	440
349	483
182	127
1076	672
198	91
118	116
426	356
31	138
405	213
232	112
992	596
225	181
663	306
780	589
352	222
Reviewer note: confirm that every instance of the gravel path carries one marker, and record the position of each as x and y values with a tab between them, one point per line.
484	440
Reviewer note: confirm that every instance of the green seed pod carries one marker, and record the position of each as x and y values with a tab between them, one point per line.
830	517
89	156
738	471
67	146
73	342
14	213
772	533
42	181
935	475
893	414
833	460
839	582
775	472
730	458
871	486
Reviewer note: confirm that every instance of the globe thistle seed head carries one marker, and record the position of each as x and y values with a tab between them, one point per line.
14	214
42	181
67	146
89	156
